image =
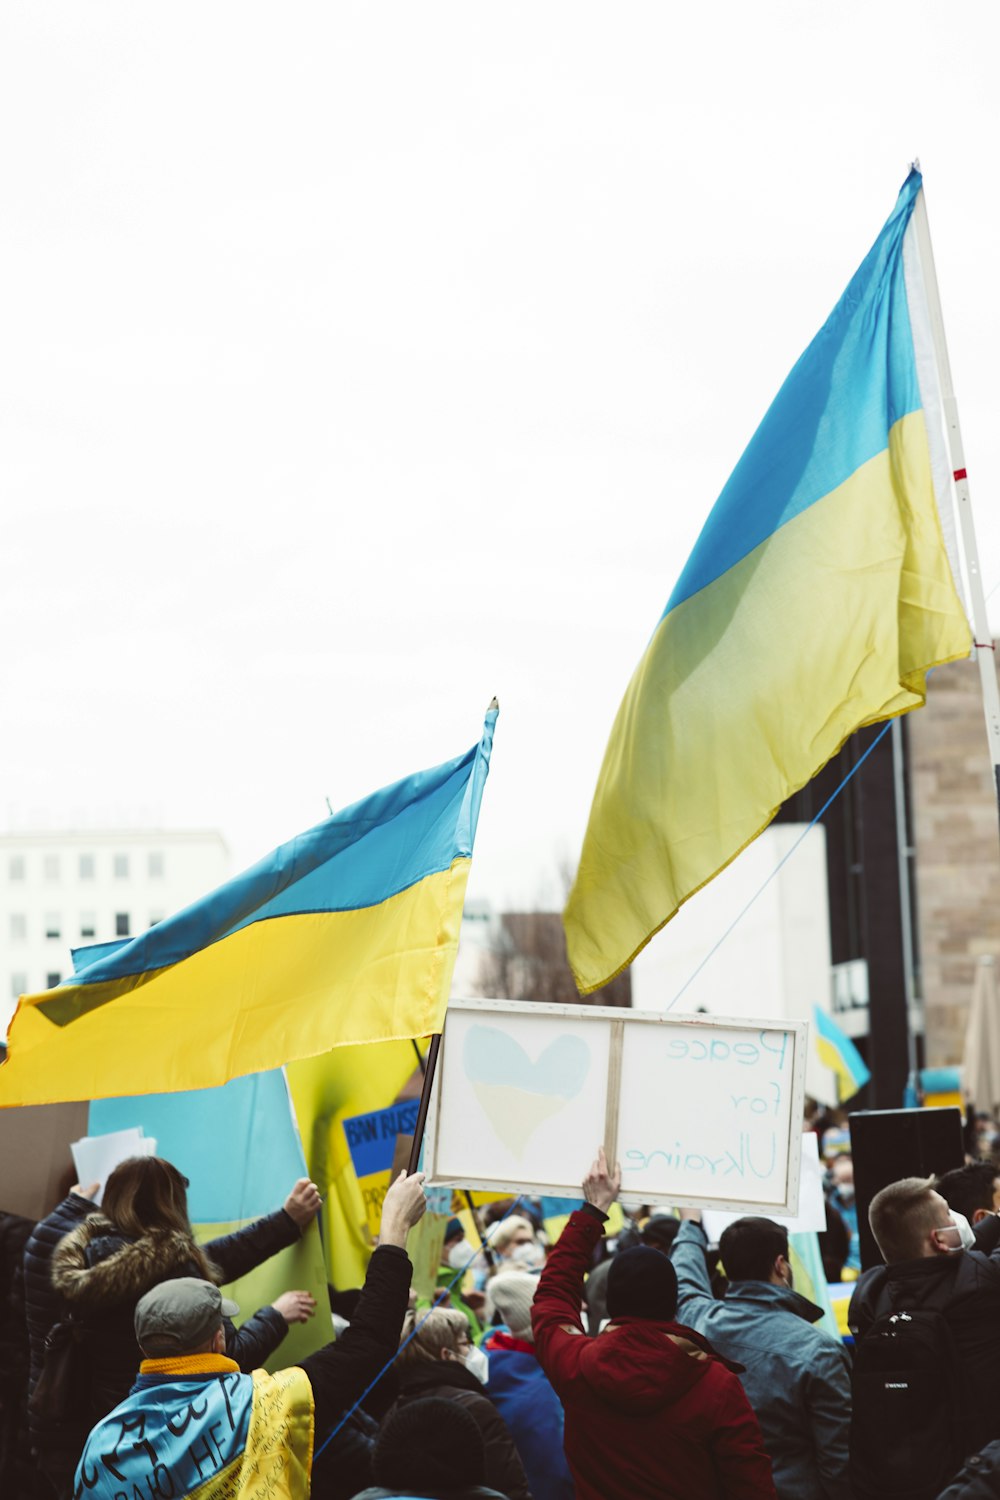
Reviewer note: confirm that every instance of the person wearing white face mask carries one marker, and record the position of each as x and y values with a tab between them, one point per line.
935	1261
515	1240
441	1360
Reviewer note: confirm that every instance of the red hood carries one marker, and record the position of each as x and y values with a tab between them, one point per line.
639	1366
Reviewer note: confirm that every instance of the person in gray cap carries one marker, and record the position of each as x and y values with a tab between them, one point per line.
193	1423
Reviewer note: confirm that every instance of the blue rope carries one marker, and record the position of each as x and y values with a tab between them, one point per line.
416	1329
783	861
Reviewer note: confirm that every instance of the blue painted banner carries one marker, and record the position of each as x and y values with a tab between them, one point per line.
371	1138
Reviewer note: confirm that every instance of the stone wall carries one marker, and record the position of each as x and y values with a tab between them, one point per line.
955	830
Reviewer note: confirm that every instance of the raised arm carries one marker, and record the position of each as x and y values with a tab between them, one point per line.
556	1311
340	1372
688	1256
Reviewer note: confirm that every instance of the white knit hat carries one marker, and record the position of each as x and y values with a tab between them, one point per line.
511	1293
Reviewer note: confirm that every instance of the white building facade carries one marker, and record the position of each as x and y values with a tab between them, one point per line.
60	891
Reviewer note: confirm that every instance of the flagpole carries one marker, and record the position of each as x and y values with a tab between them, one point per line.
983	643
429	1068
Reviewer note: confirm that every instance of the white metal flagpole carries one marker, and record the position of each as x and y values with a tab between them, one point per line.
983	644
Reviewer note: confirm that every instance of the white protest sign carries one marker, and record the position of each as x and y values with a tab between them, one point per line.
96	1156
811	1215
700	1111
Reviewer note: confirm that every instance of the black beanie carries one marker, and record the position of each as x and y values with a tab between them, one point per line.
432	1443
642	1283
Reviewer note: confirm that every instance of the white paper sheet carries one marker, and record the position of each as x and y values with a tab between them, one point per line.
96	1156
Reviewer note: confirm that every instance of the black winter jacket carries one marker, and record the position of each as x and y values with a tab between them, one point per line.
77	1262
965	1287
450	1378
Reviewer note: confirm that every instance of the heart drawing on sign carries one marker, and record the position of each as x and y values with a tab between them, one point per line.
516	1094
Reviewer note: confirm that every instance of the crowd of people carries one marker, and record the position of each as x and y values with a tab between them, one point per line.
642	1362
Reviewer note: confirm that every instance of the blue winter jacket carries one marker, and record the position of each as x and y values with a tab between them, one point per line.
524	1398
797	1377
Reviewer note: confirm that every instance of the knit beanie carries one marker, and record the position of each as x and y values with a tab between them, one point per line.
511	1293
429	1444
642	1283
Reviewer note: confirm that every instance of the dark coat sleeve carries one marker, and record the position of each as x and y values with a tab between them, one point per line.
43	1305
245	1249
504	1469
256	1340
340	1372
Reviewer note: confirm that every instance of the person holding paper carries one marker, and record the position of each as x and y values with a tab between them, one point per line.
797	1377
91	1267
652	1412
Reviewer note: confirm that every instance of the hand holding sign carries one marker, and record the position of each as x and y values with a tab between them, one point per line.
600	1186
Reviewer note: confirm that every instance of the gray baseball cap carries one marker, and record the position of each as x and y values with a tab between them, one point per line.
180	1315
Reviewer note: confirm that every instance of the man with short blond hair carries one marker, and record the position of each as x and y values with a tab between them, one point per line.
904	1217
935	1261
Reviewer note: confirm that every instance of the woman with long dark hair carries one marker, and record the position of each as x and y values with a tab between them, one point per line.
90	1266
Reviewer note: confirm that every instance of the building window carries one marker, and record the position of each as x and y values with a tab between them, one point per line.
156	866
15	867
121	924
50	867
121	866
86	867
88	925
52	979
18	985
154	917
18	927
53	925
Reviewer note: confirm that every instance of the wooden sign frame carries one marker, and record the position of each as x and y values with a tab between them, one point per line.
616	1022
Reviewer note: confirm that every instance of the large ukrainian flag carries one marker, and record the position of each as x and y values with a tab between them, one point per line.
346	934
818	595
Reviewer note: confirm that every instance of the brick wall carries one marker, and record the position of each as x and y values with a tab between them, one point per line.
955	829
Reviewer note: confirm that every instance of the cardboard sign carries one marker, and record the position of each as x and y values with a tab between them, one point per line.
699	1110
35	1152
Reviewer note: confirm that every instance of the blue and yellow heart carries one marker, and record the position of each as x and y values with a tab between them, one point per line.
516	1094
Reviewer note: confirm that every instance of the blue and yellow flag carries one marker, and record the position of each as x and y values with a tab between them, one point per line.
838	1052
346	934
239	1148
818	595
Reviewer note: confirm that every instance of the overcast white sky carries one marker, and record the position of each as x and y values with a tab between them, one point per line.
360	361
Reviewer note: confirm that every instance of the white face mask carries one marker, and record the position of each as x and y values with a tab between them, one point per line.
966	1238
530	1256
461	1255
477	1362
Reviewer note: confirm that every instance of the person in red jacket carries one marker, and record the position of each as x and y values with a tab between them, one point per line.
652	1412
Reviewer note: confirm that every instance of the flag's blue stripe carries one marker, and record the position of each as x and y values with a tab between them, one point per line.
237	1144
356	858
832	414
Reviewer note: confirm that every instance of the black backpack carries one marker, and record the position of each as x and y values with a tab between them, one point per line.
908	1407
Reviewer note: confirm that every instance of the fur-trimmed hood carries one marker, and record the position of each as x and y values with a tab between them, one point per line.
97	1266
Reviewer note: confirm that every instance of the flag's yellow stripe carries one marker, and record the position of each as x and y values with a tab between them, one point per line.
751	685
290	987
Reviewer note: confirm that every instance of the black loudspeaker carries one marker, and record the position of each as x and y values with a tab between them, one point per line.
888	1144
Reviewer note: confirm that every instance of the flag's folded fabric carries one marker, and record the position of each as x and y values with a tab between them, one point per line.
818	594
347	933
